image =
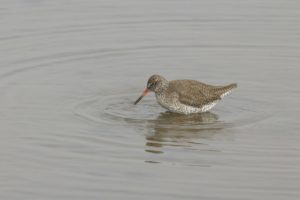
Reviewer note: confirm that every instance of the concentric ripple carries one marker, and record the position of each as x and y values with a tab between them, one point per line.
119	110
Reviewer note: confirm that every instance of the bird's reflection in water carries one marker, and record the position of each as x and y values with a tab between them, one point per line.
181	119
171	129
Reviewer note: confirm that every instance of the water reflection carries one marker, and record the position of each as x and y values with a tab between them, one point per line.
171	129
192	119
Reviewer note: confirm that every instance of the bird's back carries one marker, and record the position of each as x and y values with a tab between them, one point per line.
198	94
193	86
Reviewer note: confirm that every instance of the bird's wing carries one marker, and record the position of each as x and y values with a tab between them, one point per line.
193	93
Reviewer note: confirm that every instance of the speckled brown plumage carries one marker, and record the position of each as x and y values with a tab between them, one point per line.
185	96
195	93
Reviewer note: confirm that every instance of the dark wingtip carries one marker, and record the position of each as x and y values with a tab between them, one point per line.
234	85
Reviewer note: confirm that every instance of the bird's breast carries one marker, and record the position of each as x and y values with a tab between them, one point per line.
164	101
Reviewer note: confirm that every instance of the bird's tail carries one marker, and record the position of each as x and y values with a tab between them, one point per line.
223	91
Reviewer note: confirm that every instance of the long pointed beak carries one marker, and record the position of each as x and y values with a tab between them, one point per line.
146	91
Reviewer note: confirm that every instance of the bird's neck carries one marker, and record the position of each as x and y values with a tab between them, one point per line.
163	88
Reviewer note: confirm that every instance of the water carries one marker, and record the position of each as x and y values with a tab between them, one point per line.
71	70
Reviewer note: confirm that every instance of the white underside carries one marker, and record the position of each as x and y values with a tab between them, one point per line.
178	107
186	109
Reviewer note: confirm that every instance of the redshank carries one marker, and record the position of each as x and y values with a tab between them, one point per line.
185	96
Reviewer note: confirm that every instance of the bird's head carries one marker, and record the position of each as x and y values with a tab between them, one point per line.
156	83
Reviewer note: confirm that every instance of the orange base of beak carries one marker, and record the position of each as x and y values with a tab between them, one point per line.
146	91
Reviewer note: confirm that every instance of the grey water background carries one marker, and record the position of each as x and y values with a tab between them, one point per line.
71	70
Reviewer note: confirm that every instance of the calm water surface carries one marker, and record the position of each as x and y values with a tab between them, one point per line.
71	70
